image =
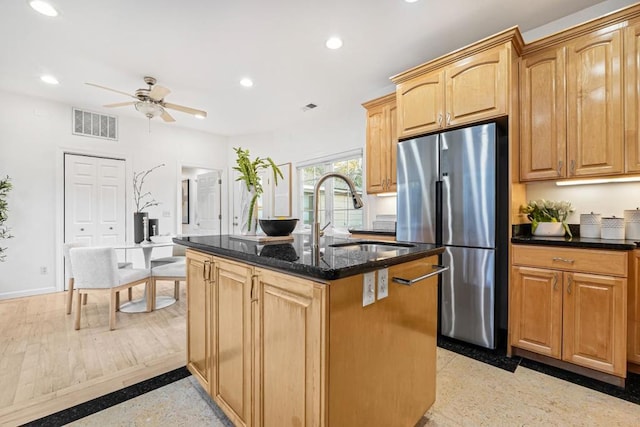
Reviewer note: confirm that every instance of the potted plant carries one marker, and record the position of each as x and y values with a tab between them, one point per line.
248	172
5	187
142	201
548	217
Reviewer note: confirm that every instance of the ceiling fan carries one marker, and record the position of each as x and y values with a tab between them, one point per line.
150	101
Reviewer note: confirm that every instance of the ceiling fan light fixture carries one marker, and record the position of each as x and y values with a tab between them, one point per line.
43	7
149	109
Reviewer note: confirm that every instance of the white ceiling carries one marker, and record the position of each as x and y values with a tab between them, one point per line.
201	48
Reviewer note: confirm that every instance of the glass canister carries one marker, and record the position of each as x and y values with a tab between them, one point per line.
590	225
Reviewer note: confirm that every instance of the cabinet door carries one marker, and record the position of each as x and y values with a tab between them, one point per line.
392	150
543	116
536	310
477	87
232	347
594	105
632	96
420	105
376	150
594	322
290	329
633	324
199	268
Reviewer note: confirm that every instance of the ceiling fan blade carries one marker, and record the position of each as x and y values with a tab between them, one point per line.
167	117
185	109
158	92
119	104
112	90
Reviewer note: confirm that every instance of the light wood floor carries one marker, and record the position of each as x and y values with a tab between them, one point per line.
47	366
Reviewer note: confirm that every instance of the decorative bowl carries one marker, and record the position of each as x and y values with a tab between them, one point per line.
278	227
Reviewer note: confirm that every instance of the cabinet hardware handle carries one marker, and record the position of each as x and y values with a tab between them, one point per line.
448	119
555	281
82	229
569	261
206	271
559	167
409	282
110	228
572	167
569	286
253	283
440	120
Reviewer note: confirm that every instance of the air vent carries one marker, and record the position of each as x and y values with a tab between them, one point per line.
88	123
309	107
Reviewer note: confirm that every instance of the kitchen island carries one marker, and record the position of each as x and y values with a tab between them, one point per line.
280	337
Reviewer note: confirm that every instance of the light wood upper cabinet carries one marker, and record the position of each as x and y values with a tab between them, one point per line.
570	315
632	96
421	104
232	340
477	87
199	302
543	115
382	140
290	323
595	144
471	89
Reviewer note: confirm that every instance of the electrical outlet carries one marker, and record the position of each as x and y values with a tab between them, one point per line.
383	283
368	288
43	270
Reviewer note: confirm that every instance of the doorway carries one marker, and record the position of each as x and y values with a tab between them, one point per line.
94	200
202	205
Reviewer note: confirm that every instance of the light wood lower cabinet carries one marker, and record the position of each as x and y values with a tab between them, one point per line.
569	315
199	320
277	350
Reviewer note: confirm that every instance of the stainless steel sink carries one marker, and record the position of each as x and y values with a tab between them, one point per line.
374	246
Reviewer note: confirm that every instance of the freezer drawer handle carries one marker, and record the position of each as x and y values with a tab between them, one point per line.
409	282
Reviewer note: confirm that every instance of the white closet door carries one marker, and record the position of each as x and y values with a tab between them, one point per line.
94	200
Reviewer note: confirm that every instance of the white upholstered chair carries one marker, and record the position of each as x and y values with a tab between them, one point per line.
96	269
177	255
68	272
174	271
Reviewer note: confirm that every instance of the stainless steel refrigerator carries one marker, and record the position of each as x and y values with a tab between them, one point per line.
447	194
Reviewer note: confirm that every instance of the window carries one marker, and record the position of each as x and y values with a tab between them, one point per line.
337	209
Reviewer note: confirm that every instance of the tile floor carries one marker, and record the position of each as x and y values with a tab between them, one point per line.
469	393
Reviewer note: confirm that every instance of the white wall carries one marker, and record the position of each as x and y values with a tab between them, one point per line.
34	134
606	199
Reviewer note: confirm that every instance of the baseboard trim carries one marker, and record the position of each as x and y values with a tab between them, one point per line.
28	293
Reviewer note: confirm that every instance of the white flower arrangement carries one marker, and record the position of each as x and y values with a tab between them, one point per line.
547	211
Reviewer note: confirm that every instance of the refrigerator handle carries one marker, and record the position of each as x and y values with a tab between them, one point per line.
438	211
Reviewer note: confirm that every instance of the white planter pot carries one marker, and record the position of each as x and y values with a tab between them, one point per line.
549	229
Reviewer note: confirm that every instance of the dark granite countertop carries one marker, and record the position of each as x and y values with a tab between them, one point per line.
296	258
378	232
576	242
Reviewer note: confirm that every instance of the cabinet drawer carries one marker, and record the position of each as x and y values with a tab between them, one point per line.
612	263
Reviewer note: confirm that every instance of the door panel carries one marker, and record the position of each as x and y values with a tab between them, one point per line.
417	176
208	205
468	174
468	295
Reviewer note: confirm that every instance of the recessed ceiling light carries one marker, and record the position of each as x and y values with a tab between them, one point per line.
246	82
411	1
199	116
49	79
43	7
334	43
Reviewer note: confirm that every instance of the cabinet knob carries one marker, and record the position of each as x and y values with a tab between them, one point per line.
82	229
110	228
